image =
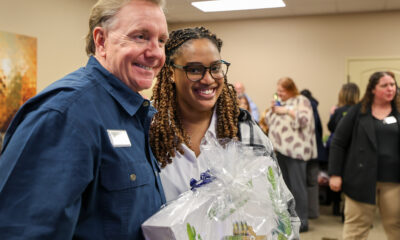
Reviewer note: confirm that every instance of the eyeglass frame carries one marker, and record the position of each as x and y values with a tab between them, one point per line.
205	69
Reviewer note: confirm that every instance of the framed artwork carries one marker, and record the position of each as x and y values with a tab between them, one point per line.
18	74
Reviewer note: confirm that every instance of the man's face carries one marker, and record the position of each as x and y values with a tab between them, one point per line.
133	48
239	88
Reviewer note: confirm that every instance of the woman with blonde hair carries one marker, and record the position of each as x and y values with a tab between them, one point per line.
349	95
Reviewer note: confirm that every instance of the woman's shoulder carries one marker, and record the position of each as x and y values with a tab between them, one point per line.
301	100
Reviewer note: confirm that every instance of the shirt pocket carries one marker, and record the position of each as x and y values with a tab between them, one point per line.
118	176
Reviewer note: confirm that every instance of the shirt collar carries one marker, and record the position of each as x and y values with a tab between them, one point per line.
129	100
210	133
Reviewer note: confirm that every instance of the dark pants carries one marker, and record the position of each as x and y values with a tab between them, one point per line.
294	174
313	188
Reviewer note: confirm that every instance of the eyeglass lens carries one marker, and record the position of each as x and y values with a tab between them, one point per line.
197	72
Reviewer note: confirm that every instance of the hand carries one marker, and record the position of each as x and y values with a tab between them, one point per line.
272	105
335	183
323	181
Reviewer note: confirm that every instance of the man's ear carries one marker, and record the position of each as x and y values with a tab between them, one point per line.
99	38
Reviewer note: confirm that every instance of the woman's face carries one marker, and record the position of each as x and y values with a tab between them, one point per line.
244	104
385	90
201	95
283	94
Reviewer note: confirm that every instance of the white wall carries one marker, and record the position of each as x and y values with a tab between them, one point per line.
60	27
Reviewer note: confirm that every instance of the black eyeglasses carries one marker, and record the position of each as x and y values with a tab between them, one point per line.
196	71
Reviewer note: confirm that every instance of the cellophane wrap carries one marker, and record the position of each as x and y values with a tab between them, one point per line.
244	201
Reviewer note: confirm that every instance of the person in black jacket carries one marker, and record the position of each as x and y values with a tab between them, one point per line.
364	159
313	164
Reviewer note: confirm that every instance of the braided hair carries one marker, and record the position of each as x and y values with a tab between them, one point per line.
166	131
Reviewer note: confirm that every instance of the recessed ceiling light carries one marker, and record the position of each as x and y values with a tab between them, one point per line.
233	5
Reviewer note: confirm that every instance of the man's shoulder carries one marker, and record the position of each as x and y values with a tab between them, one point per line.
68	97
67	92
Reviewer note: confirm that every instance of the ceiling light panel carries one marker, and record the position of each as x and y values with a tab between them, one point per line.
234	5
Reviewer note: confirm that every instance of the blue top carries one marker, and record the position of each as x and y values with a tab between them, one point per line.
253	108
60	175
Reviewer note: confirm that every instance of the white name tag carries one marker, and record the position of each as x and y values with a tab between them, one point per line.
389	120
119	138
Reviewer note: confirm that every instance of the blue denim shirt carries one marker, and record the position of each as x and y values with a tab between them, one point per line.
60	175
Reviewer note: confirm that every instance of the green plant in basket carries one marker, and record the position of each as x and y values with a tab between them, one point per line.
191	231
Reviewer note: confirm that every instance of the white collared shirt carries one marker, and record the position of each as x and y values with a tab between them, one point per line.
175	177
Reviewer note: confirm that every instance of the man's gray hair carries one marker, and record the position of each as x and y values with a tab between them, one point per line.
102	15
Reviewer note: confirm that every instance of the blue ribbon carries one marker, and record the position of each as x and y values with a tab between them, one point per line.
205	178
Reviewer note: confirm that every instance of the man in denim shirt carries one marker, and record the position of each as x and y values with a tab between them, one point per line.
76	162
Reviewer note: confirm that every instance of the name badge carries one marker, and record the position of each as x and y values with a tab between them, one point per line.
389	120
119	138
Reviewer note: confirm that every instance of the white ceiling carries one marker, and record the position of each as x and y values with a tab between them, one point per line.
179	11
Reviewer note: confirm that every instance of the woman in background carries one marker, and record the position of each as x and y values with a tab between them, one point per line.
364	159
349	95
263	122
291	130
244	103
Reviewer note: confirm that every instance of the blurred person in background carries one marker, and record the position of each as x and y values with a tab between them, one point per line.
349	95
244	103
240	90
291	130
364	159
313	164
263	122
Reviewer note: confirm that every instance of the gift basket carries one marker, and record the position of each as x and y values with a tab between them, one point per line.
239	198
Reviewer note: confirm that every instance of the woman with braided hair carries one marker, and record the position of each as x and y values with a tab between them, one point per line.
194	99
186	92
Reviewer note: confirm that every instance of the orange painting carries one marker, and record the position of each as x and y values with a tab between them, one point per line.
18	68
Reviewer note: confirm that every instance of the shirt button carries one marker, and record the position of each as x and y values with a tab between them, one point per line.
132	177
145	103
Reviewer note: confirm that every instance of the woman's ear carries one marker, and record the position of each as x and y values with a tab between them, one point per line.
99	38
